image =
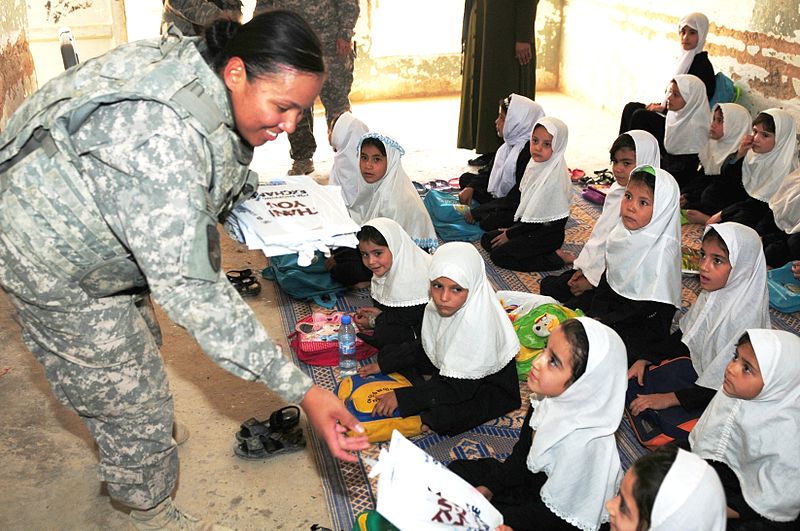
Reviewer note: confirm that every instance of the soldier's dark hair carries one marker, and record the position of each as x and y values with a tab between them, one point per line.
372	141
650	471
766	120
646	175
623	141
713	236
579	341
368	233
272	40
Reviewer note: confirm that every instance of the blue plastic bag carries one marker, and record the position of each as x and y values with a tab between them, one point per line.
447	215
311	283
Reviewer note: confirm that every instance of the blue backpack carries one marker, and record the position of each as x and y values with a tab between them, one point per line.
725	91
312	283
447	215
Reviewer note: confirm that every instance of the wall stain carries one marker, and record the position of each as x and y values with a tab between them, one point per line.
61	8
17	74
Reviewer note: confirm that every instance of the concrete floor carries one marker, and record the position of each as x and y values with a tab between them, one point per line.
47	458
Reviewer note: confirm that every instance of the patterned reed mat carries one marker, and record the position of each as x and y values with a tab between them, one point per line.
347	489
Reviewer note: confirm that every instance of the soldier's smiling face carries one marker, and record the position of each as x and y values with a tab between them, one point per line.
267	105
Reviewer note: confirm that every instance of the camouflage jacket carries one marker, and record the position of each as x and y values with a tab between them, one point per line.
126	166
330	19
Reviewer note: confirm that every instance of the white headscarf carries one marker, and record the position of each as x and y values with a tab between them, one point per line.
521	115
574	441
406	282
699	23
479	339
714	323
545	188
393	197
736	124
758	438
645	264
690	498
686	130
785	204
346	135
592	259
762	173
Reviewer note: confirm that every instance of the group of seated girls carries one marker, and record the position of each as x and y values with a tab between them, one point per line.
728	165
564	471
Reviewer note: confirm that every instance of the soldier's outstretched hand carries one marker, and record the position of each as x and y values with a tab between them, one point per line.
332	421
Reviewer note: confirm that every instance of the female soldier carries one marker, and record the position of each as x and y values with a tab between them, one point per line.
112	179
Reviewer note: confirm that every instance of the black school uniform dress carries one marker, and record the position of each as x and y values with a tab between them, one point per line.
499	212
713	193
515	488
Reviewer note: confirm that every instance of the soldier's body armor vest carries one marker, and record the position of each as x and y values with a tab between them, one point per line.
36	152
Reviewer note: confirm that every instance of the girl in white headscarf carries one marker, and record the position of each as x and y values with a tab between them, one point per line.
502	196
641	287
733	276
750	431
770	154
693	30
783	245
573	288
669	490
533	242
345	135
719	183
384	190
468	348
565	464
399	286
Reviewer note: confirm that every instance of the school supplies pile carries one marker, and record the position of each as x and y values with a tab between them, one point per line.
294	214
416	492
784	289
315	340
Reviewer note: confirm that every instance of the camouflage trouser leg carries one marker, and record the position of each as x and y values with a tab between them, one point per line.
117	385
335	96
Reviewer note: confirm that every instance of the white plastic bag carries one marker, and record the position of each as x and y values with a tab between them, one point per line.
416	492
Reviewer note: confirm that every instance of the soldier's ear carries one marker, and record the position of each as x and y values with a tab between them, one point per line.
234	73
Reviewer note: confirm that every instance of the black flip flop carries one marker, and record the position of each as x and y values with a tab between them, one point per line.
239	275
270	445
247	287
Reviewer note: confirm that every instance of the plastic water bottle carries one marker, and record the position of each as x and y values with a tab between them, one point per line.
348	366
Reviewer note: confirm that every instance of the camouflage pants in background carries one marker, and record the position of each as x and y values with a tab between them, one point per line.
102	361
335	97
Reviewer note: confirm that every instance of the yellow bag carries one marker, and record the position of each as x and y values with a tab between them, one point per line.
360	396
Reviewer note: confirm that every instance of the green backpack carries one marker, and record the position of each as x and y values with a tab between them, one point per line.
312	283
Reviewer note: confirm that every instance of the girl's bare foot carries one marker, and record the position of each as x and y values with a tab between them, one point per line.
424	428
368	369
695	216
566	256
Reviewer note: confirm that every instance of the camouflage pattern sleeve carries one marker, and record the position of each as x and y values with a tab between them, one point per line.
150	178
197	12
347	12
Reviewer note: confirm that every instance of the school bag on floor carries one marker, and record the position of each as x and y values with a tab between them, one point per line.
447	215
654	428
311	283
725	91
316	340
360	396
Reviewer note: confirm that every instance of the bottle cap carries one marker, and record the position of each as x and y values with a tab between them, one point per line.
346	320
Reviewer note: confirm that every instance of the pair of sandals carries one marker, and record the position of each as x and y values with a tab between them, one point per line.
603	176
264	439
245	283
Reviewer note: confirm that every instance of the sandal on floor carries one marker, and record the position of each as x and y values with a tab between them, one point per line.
240	275
283	420
247	287
270	445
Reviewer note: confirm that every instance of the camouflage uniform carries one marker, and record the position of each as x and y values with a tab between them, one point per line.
112	179
331	20
191	16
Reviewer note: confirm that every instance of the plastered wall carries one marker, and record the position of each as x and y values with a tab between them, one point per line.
614	51
17	76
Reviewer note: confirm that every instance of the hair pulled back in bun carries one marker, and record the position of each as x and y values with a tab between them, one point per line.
270	41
